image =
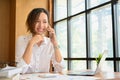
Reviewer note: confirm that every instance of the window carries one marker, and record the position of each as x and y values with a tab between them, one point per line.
76	6
93	3
118	28
118	24
86	28
61	7
101	31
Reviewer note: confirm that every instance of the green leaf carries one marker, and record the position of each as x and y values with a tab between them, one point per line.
98	58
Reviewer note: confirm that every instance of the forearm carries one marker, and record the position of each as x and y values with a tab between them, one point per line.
28	53
58	55
52	36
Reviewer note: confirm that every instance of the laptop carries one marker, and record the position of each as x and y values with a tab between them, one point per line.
90	72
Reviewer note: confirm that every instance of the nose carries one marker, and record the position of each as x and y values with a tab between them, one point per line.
41	25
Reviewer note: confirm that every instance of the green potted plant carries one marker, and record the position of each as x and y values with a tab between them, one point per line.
98	58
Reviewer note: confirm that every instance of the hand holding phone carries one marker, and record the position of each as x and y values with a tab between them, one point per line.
51	31
52	35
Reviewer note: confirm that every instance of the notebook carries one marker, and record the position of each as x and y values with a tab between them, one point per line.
90	72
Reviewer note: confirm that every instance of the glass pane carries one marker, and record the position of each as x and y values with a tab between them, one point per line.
107	66
78	65
60	9
92	3
78	36
61	33
93	65
65	65
119	66
118	26
76	6
101	31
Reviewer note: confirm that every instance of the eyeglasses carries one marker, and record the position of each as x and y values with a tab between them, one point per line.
4	64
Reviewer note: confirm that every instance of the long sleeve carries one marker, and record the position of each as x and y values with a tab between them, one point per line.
20	48
41	56
58	67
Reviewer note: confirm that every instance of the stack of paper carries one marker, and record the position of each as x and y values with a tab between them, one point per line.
9	72
15	77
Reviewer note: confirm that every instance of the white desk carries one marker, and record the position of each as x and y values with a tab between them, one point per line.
100	76
39	76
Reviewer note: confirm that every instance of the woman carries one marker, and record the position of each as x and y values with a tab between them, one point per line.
35	52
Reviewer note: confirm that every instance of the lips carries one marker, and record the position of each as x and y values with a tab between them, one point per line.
40	30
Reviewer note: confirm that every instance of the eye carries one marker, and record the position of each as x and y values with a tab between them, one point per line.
37	21
44	21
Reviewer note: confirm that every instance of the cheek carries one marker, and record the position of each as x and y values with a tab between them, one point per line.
45	27
35	27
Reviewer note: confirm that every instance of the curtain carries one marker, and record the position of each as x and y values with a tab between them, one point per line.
50	9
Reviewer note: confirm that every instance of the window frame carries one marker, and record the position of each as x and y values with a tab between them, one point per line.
88	59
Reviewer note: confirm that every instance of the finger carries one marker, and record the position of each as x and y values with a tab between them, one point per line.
49	28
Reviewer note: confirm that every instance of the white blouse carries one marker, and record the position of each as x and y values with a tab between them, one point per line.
41	56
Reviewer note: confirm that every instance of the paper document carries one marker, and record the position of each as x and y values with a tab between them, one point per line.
9	71
15	77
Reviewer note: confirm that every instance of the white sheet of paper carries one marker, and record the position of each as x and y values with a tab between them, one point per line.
50	76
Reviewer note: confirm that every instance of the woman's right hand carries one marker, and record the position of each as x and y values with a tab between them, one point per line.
36	39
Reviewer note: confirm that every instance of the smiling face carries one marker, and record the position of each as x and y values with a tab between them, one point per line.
41	24
37	21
